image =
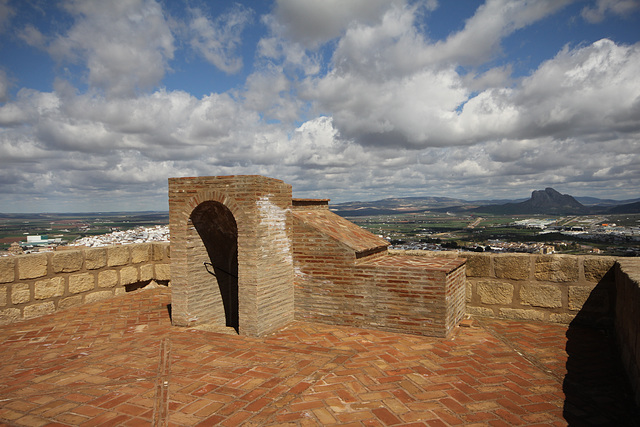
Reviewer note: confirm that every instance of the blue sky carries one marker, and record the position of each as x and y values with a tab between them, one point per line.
101	102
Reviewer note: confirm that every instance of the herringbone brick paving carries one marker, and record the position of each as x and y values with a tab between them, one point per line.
120	362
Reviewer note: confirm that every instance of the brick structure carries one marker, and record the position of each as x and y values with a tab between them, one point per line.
244	254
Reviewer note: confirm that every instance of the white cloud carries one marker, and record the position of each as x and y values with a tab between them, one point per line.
6	13
125	45
617	7
218	40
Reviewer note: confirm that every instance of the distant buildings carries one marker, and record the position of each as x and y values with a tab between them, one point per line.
159	233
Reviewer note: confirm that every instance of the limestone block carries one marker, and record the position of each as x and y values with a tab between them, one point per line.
49	288
146	272
95	258
20	293
7	269
596	267
478	265
492	292
158	251
521	314
120	291
468	291
70	301
480	311
514	267
117	255
32	266
537	295
66	261
39	309
107	279
97	296
3	296
163	272
557	268
81	283
9	315
128	275
561	317
140	253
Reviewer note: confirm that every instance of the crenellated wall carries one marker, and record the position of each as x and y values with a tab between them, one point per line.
37	284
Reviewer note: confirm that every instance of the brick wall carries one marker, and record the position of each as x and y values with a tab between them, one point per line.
344	276
37	284
553	288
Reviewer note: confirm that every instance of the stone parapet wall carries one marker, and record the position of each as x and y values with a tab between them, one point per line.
627	324
37	284
552	288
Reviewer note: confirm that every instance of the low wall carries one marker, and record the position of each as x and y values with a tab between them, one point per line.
551	288
627	273
37	284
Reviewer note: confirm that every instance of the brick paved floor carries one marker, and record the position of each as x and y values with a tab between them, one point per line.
119	362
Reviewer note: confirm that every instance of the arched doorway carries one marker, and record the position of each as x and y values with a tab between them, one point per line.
218	230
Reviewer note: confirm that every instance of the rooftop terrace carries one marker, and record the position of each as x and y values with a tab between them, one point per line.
120	362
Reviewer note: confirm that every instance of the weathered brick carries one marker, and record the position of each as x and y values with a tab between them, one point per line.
494	292
49	288
32	266
556	268
538	295
66	261
95	258
107	279
39	309
128	276
20	293
81	282
514	267
117	255
7	269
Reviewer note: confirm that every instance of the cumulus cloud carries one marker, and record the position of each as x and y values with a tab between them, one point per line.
125	45
218	40
598	12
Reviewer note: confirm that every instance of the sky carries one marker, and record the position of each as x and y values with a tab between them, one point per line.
102	101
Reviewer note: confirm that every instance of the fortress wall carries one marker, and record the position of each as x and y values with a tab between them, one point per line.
551	288
627	274
37	284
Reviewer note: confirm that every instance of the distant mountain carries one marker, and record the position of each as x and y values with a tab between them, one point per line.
626	209
396	205
547	201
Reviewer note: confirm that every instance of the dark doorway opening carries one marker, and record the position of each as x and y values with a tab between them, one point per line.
217	228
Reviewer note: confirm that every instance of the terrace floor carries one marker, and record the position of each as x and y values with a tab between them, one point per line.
120	362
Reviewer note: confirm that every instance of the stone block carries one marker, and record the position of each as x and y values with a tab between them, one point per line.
39	309
7	267
66	261
70	301
117	255
163	272
32	266
95	258
478	265
561	317
596	267
557	268
468	292
146	272
491	292
119	291
9	315
49	288
578	295
107	279
140	253
158	251
538	295
480	311
514	267
20	293
3	296
521	314
82	282
128	276
97	296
